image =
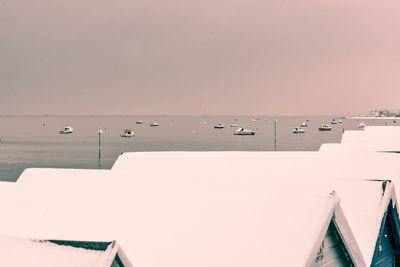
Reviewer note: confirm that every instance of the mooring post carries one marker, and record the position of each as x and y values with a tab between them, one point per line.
275	122
99	132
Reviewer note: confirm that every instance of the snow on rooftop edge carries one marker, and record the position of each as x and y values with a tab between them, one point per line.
21	252
220	222
373	134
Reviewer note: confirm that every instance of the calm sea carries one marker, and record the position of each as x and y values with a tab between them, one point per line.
34	141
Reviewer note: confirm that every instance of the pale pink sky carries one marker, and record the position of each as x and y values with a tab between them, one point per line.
195	57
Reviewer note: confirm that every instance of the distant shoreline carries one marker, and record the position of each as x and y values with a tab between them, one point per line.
373	118
169	115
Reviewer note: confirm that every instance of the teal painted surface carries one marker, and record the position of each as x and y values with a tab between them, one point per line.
388	240
333	252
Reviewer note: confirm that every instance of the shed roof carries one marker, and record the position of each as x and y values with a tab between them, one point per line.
21	252
161	169
182	227
309	172
373	134
361	147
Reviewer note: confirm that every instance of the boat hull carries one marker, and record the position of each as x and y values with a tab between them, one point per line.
252	133
127	135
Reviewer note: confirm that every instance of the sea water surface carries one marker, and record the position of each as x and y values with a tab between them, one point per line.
34	141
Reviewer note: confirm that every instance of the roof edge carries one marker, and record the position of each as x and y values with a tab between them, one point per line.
335	213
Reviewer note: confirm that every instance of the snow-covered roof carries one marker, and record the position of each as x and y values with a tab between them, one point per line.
169	168
22	252
257	172
365	211
161	169
196	189
373	135
56	176
182	226
359	147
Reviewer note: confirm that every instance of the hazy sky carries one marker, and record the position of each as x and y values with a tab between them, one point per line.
195	57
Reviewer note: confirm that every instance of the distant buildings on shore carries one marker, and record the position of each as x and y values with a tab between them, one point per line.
384	113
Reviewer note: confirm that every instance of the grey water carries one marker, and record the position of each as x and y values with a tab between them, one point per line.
35	142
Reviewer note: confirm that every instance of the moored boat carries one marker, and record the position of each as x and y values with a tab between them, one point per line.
298	130
127	133
325	127
154	124
67	130
243	131
219	126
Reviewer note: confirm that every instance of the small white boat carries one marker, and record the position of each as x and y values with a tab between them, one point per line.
304	124
154	124
334	121
340	121
362	125
139	122
67	130
298	130
325	127
234	124
243	131
127	133
219	126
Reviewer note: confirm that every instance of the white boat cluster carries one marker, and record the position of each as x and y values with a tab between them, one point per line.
195	209
323	127
125	133
238	131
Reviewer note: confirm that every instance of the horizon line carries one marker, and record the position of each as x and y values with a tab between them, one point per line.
174	114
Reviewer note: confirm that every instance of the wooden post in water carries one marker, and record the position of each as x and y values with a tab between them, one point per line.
99	132
275	122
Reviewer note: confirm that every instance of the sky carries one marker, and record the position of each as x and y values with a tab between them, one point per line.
277	57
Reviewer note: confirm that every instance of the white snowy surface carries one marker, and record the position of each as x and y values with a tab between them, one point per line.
161	169
50	175
181	208
23	252
372	139
364	207
253	173
180	227
361	147
238	168
373	135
